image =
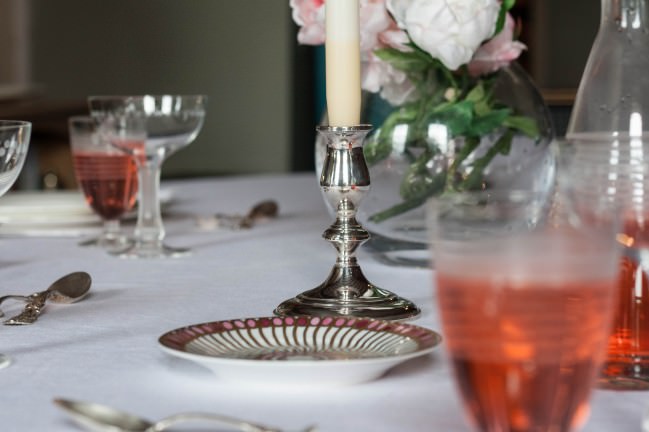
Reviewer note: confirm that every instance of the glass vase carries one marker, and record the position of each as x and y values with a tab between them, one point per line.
425	160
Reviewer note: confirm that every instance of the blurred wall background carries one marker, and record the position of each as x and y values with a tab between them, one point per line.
235	51
265	91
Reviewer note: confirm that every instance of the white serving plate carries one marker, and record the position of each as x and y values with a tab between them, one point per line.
299	350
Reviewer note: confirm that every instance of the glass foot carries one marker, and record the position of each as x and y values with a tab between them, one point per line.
624	376
4	361
144	250
110	243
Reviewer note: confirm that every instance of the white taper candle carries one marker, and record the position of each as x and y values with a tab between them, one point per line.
343	62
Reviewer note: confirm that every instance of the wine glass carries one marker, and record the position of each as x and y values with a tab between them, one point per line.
14	143
108	178
525	288
149	127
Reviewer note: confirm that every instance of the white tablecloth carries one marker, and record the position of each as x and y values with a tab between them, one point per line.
105	348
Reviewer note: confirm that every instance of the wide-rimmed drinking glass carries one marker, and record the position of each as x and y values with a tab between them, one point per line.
14	143
525	292
107	177
150	127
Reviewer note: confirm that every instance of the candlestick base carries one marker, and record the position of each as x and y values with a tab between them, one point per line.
346	291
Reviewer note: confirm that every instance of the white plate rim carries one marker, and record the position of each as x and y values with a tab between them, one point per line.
428	341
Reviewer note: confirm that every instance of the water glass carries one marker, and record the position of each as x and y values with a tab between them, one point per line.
108	178
525	292
616	166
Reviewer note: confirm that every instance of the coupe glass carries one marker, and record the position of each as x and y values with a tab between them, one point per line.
525	292
14	143
150	128
108	179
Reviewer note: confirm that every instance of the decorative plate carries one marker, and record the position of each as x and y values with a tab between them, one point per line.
300	350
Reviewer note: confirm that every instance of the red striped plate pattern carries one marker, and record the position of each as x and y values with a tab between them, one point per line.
247	347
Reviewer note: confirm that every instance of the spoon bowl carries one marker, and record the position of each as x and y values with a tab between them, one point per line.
70	288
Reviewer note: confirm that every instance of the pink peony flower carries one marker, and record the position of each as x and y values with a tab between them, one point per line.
498	52
310	16
393	84
450	30
379	30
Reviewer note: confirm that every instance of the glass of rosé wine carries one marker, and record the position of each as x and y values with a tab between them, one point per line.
107	177
616	166
14	143
525	292
149	127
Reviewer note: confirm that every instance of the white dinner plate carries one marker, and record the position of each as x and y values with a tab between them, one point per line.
299	350
53	213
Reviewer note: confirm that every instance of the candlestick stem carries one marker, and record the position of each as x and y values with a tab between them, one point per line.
344	182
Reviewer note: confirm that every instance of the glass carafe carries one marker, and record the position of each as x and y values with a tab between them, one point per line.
609	127
613	94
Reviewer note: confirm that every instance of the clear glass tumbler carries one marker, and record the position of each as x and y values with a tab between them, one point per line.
616	166
525	292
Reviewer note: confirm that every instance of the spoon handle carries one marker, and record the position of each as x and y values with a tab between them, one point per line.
32	310
241	425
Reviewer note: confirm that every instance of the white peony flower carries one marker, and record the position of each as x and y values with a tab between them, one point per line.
450	30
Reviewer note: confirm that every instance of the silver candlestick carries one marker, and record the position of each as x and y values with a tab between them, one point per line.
345	180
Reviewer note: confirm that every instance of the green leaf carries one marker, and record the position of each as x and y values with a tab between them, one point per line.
434	187
375	150
477	93
481	99
417	177
411	61
397	209
470	144
457	117
501	146
482	108
505	6
379	146
490	122
526	125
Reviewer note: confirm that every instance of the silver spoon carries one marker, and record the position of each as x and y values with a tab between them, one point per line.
263	210
67	289
101	418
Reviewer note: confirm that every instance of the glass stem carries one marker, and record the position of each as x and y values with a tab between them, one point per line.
111	229
149	228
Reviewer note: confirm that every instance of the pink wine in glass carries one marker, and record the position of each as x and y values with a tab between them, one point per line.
109	182
525	350
627	363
